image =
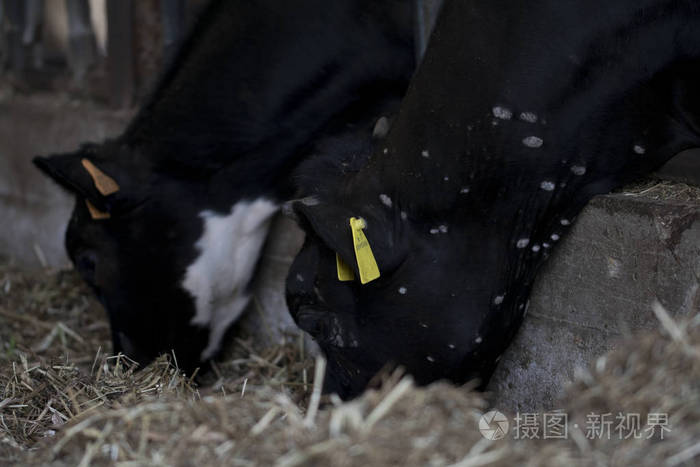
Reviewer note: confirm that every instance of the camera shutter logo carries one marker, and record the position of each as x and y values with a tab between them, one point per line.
493	425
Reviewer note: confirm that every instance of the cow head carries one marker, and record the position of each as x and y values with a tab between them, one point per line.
135	236
420	314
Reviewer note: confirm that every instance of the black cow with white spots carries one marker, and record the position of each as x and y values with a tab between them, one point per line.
518	115
170	217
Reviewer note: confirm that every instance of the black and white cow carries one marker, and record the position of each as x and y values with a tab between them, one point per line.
170	217
518	115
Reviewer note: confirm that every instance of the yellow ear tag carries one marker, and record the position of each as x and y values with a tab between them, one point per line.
366	263
103	182
344	271
96	213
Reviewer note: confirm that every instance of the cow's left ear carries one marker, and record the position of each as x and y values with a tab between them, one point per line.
109	184
331	223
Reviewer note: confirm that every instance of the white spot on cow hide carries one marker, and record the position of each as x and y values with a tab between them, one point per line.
381	128
402	290
300	278
446	178
430	359
498	300
535	248
439	229
228	252
639	149
502	113
464	190
425	153
555	237
523	242
478	340
546	185
578	170
386	200
528	117
533	142
451	346
565	222
404	216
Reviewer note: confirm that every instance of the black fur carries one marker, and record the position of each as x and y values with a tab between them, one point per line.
615	86
254	89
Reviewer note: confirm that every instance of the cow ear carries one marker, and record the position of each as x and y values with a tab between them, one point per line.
104	182
331	223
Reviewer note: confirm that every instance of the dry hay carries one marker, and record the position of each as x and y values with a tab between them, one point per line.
258	408
650	373
663	190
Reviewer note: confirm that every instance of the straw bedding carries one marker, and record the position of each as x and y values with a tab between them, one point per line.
65	401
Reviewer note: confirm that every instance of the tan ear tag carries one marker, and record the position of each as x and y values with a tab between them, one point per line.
96	213
103	182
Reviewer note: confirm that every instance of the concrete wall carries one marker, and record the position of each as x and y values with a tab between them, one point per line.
34	211
623	253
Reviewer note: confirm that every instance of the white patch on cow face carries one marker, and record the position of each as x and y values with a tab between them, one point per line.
229	249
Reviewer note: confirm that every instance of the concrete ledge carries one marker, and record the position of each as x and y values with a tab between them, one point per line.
623	253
